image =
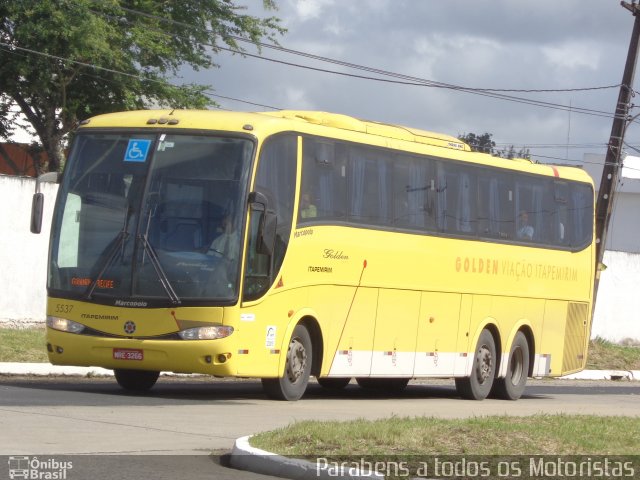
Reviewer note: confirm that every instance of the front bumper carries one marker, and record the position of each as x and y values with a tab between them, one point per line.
213	357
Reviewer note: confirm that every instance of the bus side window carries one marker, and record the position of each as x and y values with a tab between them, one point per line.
413	193
369	186
560	218
580	217
324	177
532	203
495	205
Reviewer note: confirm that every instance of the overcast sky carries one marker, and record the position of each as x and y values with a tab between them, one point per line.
490	44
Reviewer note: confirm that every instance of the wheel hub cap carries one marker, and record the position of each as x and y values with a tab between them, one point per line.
297	360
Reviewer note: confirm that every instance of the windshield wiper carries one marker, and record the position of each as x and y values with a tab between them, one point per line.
117	245
157	266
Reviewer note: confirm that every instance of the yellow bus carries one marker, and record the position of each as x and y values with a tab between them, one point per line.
291	244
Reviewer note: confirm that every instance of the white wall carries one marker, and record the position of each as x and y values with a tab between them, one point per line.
23	255
624	227
617	313
23	260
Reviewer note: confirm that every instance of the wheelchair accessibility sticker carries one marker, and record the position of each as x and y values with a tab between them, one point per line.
137	150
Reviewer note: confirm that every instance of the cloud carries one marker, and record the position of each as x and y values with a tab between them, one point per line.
482	44
298	97
309	9
574	55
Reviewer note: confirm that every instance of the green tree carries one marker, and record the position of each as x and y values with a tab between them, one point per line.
479	143
510	153
65	60
484	144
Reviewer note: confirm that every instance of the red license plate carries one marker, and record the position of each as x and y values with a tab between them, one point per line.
128	354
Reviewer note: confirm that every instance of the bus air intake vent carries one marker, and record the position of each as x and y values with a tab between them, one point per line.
575	337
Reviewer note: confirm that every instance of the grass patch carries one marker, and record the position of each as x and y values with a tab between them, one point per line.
23	345
610	356
500	435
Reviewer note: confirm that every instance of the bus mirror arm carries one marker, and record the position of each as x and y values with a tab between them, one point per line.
37	204
259	198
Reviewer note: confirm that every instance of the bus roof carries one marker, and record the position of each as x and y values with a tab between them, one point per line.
270	122
215	120
397	132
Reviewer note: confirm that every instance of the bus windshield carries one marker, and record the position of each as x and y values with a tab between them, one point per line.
151	217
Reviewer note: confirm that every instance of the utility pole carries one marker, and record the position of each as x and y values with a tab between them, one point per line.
612	162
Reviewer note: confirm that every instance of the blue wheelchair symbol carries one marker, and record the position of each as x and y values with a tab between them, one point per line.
137	150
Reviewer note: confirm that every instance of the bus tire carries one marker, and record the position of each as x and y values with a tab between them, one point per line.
478	385
383	384
333	383
136	380
512	386
292	385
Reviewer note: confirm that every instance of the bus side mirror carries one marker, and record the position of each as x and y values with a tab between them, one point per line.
37	204
266	237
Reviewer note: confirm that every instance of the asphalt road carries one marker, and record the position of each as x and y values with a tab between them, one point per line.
195	416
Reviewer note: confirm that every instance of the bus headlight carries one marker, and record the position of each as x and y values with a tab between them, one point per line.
206	333
64	325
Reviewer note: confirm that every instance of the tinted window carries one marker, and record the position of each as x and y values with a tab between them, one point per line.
495	205
362	185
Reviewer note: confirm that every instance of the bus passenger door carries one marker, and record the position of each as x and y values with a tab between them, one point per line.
394	343
438	329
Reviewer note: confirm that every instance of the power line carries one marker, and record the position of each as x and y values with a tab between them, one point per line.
370	69
552	145
403	79
409	80
435	83
8	48
209	93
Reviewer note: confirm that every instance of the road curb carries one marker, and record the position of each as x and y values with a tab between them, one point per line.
628	375
246	457
46	369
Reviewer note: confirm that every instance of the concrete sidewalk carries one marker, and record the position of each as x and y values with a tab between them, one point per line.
46	369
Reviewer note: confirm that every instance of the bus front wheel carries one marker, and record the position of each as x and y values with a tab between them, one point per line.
136	380
478	385
512	386
292	385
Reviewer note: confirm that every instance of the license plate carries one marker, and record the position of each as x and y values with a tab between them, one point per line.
128	354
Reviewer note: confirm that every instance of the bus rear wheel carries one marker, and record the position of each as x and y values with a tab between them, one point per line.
512	386
292	385
136	380
478	385
383	384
